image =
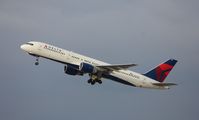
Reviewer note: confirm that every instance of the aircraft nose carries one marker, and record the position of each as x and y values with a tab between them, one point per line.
23	47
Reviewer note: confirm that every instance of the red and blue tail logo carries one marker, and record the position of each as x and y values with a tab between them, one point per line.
162	71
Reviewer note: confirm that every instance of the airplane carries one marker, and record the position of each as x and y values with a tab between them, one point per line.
76	64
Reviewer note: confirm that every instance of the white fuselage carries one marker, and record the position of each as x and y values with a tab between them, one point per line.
68	57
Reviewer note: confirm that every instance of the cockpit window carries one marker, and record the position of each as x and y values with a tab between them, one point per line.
30	44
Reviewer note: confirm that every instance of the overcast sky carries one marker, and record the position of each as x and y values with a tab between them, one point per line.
145	32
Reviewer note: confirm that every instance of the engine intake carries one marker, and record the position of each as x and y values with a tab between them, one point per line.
87	68
71	71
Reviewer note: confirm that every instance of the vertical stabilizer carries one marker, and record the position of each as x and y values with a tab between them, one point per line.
160	72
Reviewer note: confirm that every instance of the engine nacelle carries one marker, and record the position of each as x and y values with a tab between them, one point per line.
87	68
71	71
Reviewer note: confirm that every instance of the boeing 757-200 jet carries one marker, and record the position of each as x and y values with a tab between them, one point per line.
76	64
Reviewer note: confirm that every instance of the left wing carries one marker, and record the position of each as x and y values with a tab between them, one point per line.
116	67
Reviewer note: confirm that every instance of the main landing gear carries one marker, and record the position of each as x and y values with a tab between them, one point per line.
93	79
92	82
37	61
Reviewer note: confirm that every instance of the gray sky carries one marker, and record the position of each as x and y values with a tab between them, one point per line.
115	31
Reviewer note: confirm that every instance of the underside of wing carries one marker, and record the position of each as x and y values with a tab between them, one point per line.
116	67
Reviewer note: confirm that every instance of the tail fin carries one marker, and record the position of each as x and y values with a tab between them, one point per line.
161	71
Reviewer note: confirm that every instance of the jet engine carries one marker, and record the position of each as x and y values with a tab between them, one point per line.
71	71
87	68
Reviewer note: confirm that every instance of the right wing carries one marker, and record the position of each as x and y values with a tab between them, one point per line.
115	67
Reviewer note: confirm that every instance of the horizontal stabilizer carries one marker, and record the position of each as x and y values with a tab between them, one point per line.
164	84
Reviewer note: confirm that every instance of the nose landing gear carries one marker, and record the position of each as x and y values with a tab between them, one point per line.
37	61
